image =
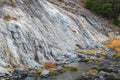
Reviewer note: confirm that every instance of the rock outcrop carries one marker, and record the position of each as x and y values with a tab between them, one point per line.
34	31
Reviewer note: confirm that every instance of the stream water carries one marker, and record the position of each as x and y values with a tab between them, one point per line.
68	75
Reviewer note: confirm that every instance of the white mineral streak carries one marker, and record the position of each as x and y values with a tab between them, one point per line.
42	32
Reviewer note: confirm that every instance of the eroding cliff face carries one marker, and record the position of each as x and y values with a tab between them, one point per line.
33	31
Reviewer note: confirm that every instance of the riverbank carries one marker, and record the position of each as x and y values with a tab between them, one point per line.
68	75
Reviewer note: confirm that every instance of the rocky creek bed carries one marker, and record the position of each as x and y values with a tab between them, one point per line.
83	67
68	75
104	70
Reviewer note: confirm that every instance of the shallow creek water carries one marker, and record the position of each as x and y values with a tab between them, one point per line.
68	75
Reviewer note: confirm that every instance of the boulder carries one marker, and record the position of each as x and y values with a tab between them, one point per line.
81	56
19	73
105	74
45	73
105	63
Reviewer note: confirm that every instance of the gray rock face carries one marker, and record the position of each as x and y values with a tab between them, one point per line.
3	71
105	63
42	31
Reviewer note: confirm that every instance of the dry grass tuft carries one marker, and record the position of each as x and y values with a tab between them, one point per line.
49	65
114	45
95	51
94	59
114	42
92	72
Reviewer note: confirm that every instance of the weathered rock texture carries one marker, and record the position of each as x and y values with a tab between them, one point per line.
33	31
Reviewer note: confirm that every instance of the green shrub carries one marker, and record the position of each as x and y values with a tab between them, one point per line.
71	68
116	21
109	9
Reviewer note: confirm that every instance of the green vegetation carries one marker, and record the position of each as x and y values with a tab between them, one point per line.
53	72
116	57
33	72
109	9
71	68
105	70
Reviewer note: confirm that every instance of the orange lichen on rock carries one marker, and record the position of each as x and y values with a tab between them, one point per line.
9	18
49	65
